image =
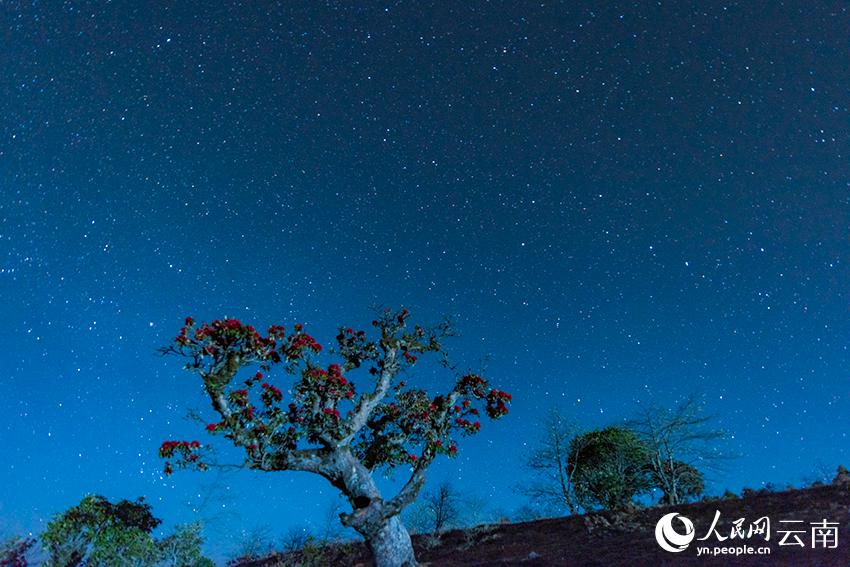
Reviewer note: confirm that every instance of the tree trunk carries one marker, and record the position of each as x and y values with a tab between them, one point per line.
391	545
387	538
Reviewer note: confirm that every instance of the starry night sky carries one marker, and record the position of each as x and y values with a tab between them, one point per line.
619	204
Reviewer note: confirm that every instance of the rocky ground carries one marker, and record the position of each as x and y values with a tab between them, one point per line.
628	539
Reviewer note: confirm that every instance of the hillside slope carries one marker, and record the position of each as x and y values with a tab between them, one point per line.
628	539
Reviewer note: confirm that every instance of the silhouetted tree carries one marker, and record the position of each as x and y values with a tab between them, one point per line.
553	463
253	543
437	510
678	481
326	427
295	539
681	444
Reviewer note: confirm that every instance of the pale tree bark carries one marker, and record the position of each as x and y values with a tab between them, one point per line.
391	546
376	520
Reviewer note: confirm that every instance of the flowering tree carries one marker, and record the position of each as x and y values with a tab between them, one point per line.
322	424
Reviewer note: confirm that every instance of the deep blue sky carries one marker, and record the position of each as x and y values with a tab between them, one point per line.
619	204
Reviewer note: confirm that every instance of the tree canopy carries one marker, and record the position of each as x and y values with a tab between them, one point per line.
342	420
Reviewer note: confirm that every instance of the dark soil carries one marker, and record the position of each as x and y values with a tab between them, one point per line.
608	539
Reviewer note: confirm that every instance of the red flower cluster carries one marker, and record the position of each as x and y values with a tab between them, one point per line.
271	394
239	397
330	383
304	341
497	403
409	419
333	412
472	384
186	453
393	410
227	335
439	447
168	448
468	426
349	333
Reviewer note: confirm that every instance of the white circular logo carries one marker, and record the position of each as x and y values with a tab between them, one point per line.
668	538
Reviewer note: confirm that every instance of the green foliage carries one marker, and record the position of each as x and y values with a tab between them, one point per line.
610	468
97	533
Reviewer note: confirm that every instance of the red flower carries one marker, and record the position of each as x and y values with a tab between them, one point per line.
212	427
189	321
